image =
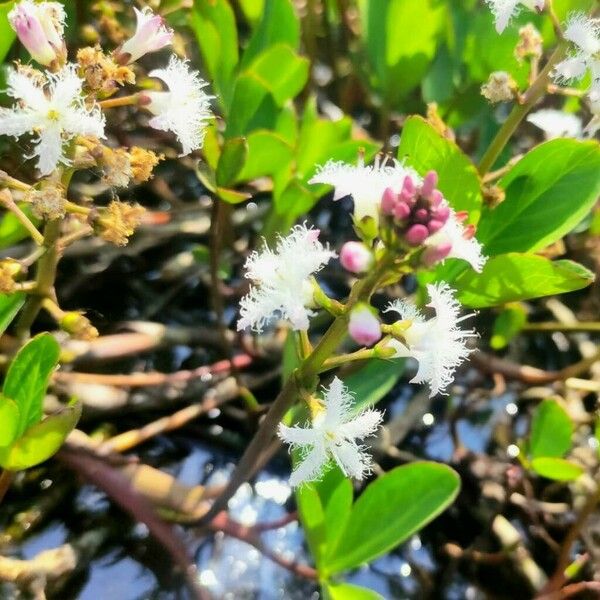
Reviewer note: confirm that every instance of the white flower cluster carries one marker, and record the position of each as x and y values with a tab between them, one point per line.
505	10
53	107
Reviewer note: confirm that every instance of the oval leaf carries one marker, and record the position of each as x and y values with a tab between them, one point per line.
10	305
231	162
9	421
558	469
551	430
391	509
347	591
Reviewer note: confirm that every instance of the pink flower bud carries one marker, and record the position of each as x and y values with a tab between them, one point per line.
40	29
434	225
417	234
436	197
401	210
409	186
422	215
435	254
388	200
429	183
151	34
442	213
355	257
364	326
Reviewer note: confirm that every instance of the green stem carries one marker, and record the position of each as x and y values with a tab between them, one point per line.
563	327
532	95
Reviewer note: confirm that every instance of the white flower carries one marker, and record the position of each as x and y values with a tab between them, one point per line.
594	98
40	29
461	240
151	34
556	123
54	110
282	280
504	10
584	33
437	344
365	183
185	108
333	434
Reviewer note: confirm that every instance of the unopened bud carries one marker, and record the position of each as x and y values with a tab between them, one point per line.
388	201
500	87
151	34
364	326
40	29
356	257
430	182
417	234
78	326
435	254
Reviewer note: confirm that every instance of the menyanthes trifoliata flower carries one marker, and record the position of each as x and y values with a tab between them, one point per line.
438	344
584	33
504	10
151	34
185	108
365	183
332	436
40	28
52	108
556	123
282	280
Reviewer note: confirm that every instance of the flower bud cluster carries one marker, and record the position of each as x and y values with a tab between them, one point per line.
417	211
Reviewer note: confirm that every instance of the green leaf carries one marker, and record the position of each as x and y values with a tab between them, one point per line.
348	591
40	441
11	229
279	25
232	196
425	149
252	9
213	24
390	510
268	152
558	469
548	192
231	162
398	62
7	35
10	305
551	431
9	421
513	277
28	375
508	324
374	380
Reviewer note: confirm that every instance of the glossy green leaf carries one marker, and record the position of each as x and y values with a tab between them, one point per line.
7	35
507	324
10	305
548	192
232	196
252	9
513	277
28	376
268	152
252	106
551	430
213	24
558	469
232	160
9	421
424	149
390	510
398	62
348	591
295	200
40	441
278	25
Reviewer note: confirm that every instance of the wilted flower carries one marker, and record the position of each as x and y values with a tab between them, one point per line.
101	73
53	110
119	222
531	43
437	344
151	34
504	10
356	257
40	29
584	33
500	87
185	108
282	285
364	327
332	435
49	202
556	123
365	183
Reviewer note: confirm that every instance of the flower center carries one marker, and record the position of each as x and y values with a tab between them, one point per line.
53	114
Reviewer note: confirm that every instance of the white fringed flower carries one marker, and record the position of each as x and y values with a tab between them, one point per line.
463	244
40	28
505	10
584	33
282	285
151	34
594	100
185	108
365	183
53	109
556	123
437	344
332	435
